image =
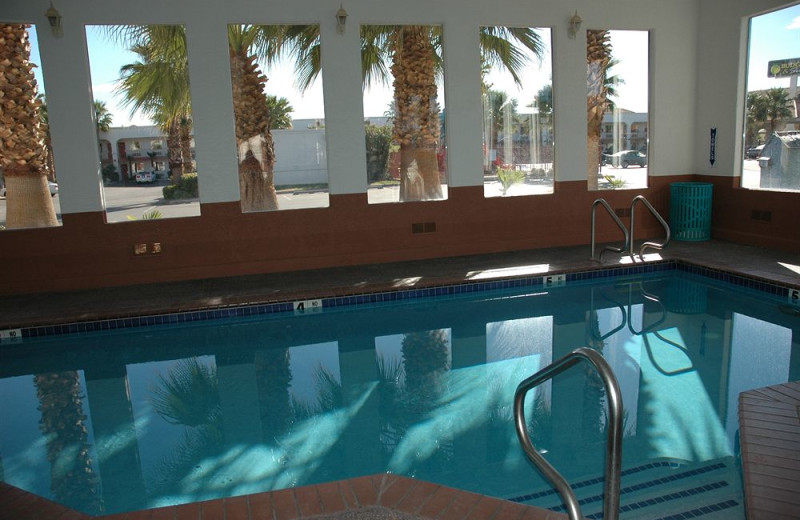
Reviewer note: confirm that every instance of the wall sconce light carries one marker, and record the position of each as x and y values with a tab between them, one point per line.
574	24
341	19
54	19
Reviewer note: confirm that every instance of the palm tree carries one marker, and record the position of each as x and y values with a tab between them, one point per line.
44	123
416	124
777	106
248	44
757	113
598	61
102	117
544	100
158	85
280	112
22	150
502	116
413	55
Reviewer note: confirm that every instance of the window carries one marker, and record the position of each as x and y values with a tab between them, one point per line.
771	146
279	116
140	83
28	192
617	109
517	111
404	108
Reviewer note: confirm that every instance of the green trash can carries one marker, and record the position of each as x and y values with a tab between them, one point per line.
690	210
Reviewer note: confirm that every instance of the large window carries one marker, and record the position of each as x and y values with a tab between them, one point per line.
140	84
517	111
28	184
404	111
617	109
771	158
279	115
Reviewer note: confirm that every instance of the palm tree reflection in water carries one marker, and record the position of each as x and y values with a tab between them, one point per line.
72	477
188	395
410	390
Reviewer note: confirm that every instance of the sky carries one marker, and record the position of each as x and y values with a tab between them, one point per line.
774	36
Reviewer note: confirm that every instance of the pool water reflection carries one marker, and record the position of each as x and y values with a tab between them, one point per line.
138	418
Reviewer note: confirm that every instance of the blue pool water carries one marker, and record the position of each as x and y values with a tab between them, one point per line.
142	417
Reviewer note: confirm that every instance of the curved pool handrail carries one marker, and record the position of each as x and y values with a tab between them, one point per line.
619	224
659	218
613	443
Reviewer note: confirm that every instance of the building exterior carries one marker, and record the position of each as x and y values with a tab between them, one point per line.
132	149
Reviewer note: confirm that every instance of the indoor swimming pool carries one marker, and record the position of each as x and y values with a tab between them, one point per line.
141	416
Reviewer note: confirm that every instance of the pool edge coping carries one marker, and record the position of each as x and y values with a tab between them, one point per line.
198	313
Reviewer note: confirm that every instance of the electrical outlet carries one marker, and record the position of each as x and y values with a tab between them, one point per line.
139	249
155	248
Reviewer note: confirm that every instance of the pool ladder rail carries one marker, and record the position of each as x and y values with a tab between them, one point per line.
628	235
613	469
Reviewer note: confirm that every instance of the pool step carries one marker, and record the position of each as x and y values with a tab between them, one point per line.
710	491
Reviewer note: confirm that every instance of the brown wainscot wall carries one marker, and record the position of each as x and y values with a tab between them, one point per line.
761	218
88	253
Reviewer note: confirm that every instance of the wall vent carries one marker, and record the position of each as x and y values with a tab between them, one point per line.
622	212
761	215
423	227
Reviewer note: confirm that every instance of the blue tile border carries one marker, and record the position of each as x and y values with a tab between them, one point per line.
404	294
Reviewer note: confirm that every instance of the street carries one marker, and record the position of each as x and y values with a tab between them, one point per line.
125	203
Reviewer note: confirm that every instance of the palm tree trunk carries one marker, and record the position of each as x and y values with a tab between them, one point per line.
416	126
174	152
187	164
63	423
253	135
22	153
598	57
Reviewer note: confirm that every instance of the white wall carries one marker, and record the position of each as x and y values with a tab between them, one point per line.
721	69
683	79
300	157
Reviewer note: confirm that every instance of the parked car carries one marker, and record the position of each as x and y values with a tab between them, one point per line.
754	152
52	186
145	177
625	158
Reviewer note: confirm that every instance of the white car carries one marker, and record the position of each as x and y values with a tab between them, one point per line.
145	177
51	185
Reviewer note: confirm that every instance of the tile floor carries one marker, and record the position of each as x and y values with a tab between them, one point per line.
113	302
365	498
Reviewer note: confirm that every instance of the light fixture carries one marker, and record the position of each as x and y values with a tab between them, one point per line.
54	19
341	19
574	24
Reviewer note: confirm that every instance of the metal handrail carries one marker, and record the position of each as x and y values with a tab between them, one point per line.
654	245
613	443
653	298
619	223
